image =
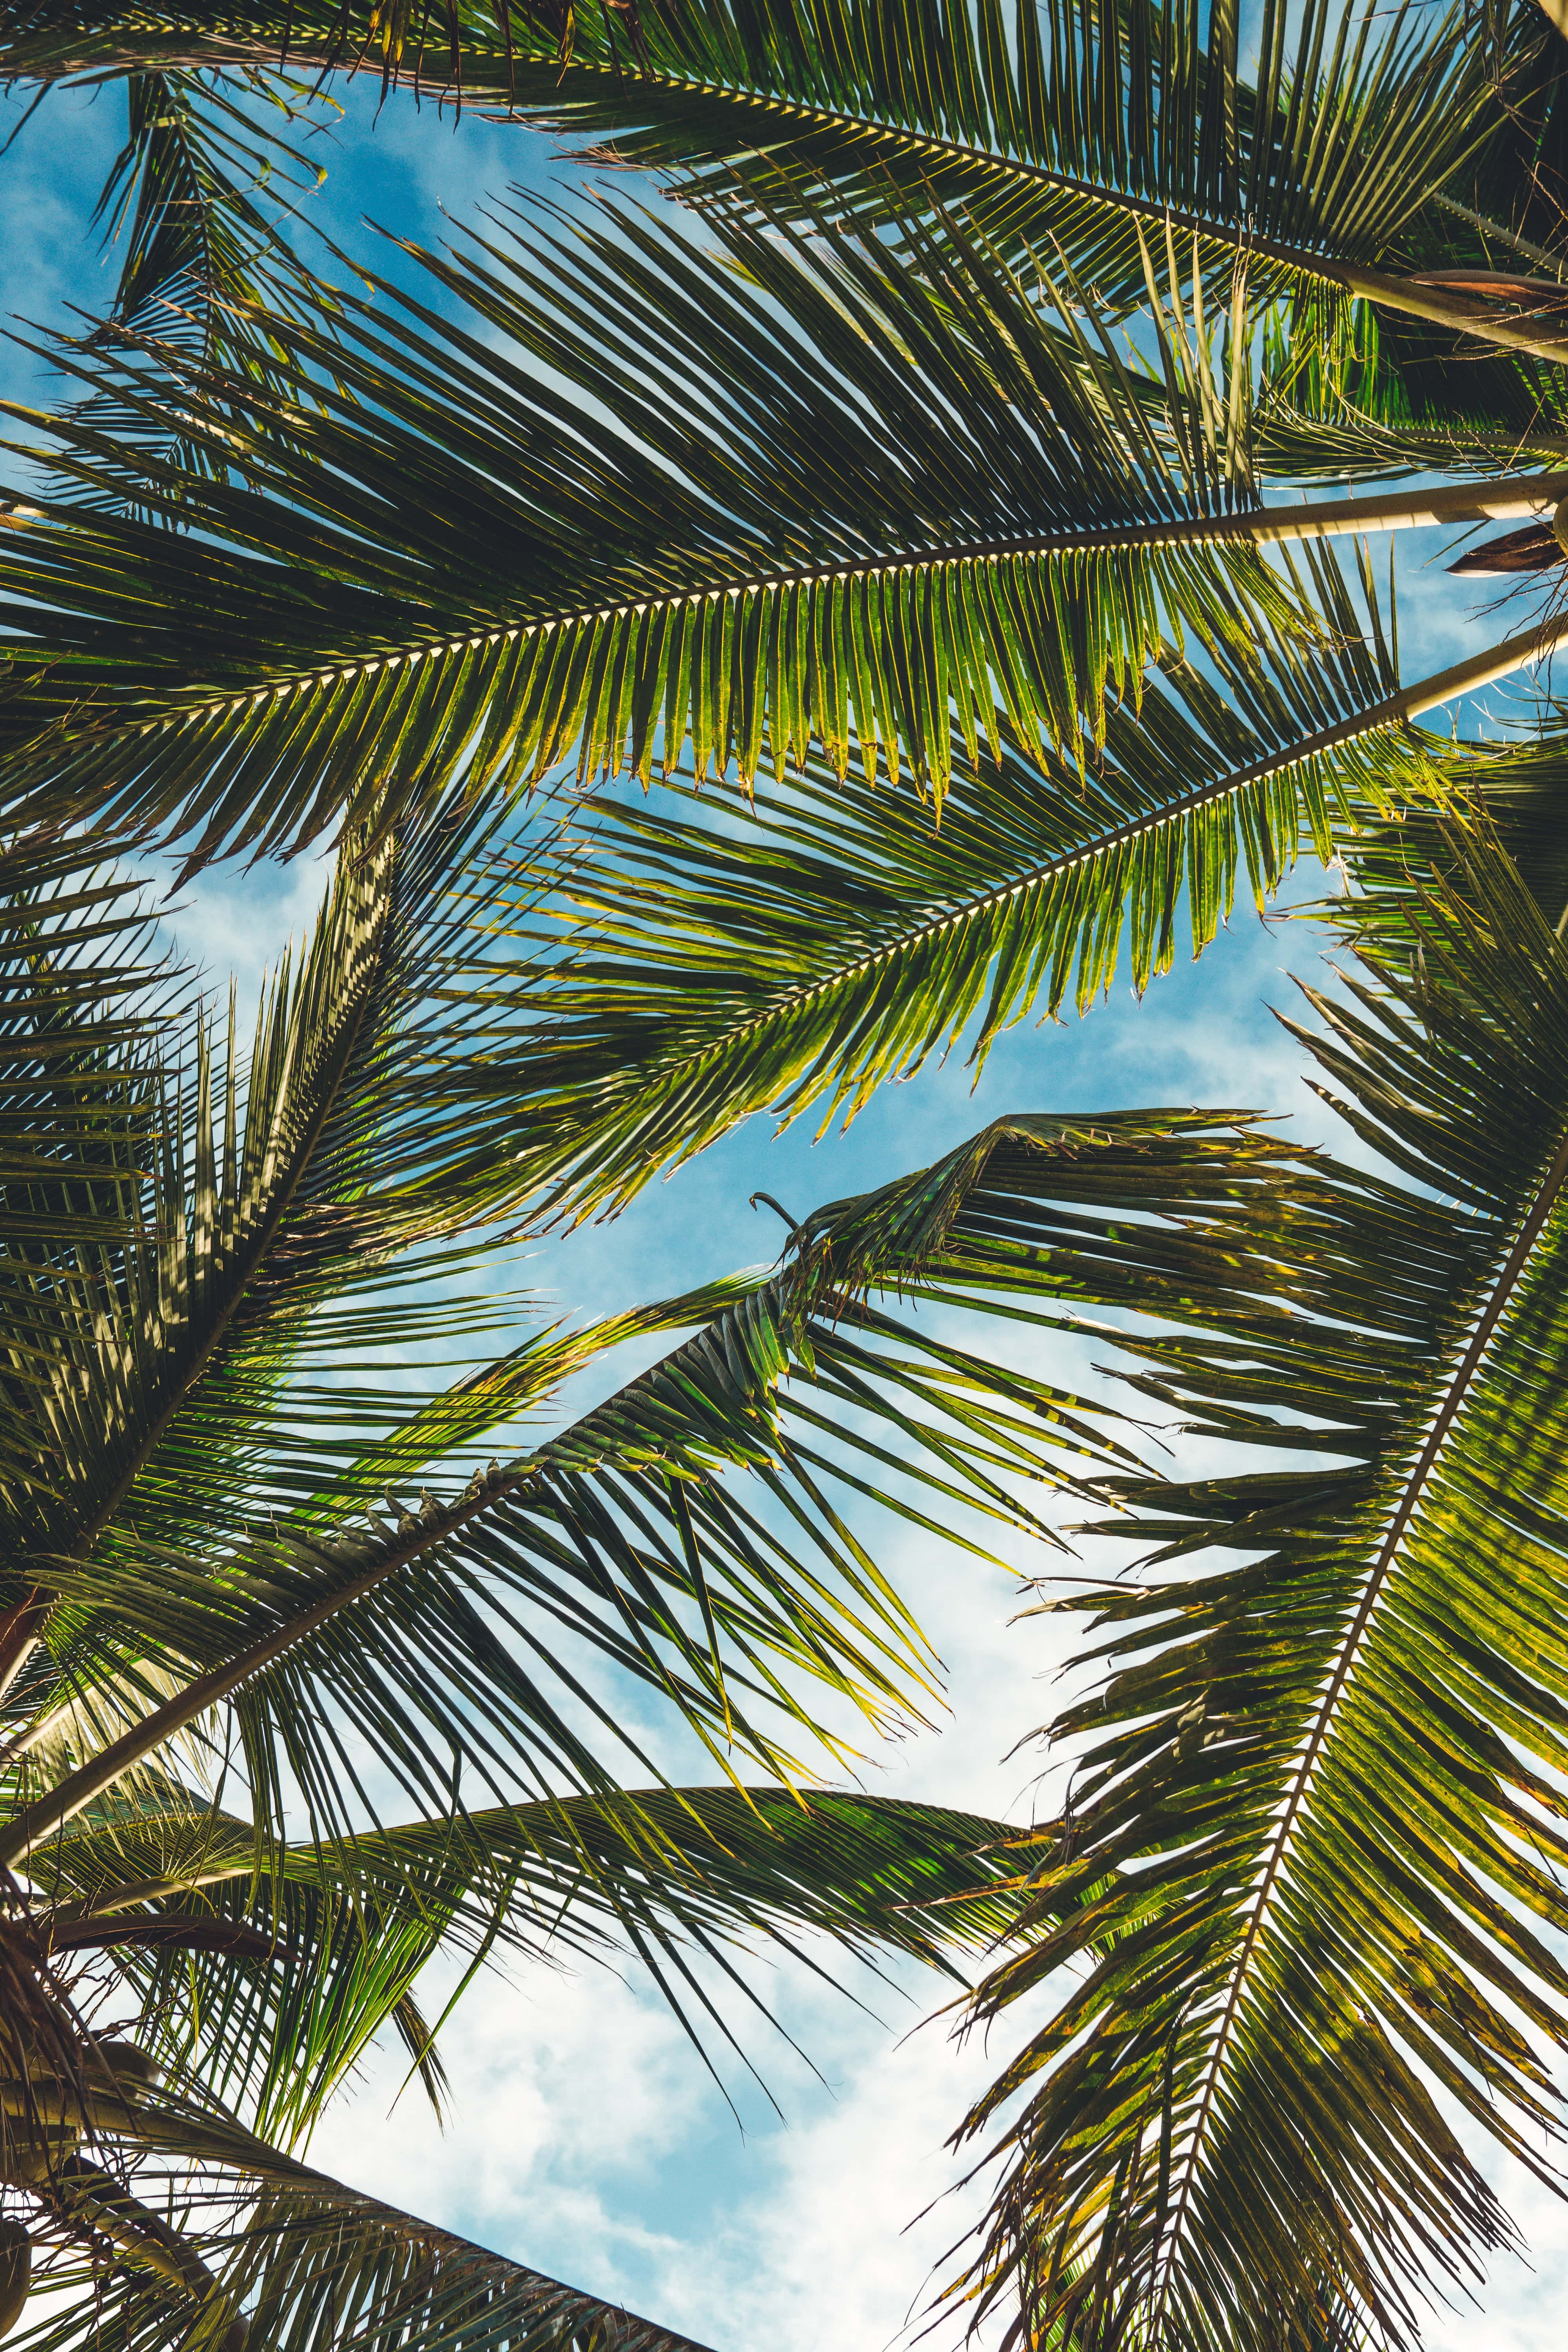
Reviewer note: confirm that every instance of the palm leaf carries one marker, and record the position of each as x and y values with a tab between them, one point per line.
86	998
1083	120
713	966
915	492
924	497
622	1533
1491	231
308	2259
264	1971
180	201
308	2262
1522	783
152	1368
1306	434
1312	1862
83	994
194	201
1098	126
1346	394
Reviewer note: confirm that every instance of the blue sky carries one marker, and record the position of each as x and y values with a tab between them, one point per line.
585	2140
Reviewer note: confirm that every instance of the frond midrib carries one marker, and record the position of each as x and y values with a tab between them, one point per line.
502	64
77	1791
188	1370
333	1854
925	143
247	1259
1308	261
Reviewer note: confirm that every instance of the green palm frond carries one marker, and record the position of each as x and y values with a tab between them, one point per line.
1094	124
922	444
1344	395
1494	235
86	998
180	204
1310	1870
270	1964
84	992
639	501
726	1599
264	1972
1085	118
636	494
193	207
1331	440
1524	784
363	1123
831	938
1503	198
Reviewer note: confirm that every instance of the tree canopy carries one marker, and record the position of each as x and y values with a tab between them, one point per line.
742	638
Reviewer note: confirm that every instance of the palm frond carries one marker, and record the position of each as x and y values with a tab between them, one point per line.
265	1971
437	1633
1310	1870
1503	198
263	2249
637	494
1097	125
84	990
180	204
1492	233
152	1390
1522	785
1085	119
196	202
1491	236
797	956
1319	440
87	997
1345	392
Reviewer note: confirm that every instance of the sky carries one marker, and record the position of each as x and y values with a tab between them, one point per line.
586	2139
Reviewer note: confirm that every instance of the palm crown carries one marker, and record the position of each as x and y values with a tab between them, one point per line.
913	484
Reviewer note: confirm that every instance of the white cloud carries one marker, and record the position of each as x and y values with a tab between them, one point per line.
588	2142
1521	2308
239	921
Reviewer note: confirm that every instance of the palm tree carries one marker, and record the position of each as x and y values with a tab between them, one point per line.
908	485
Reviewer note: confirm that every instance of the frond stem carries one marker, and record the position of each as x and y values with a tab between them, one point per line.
142	1890
39	1821
1494	229
24	1627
